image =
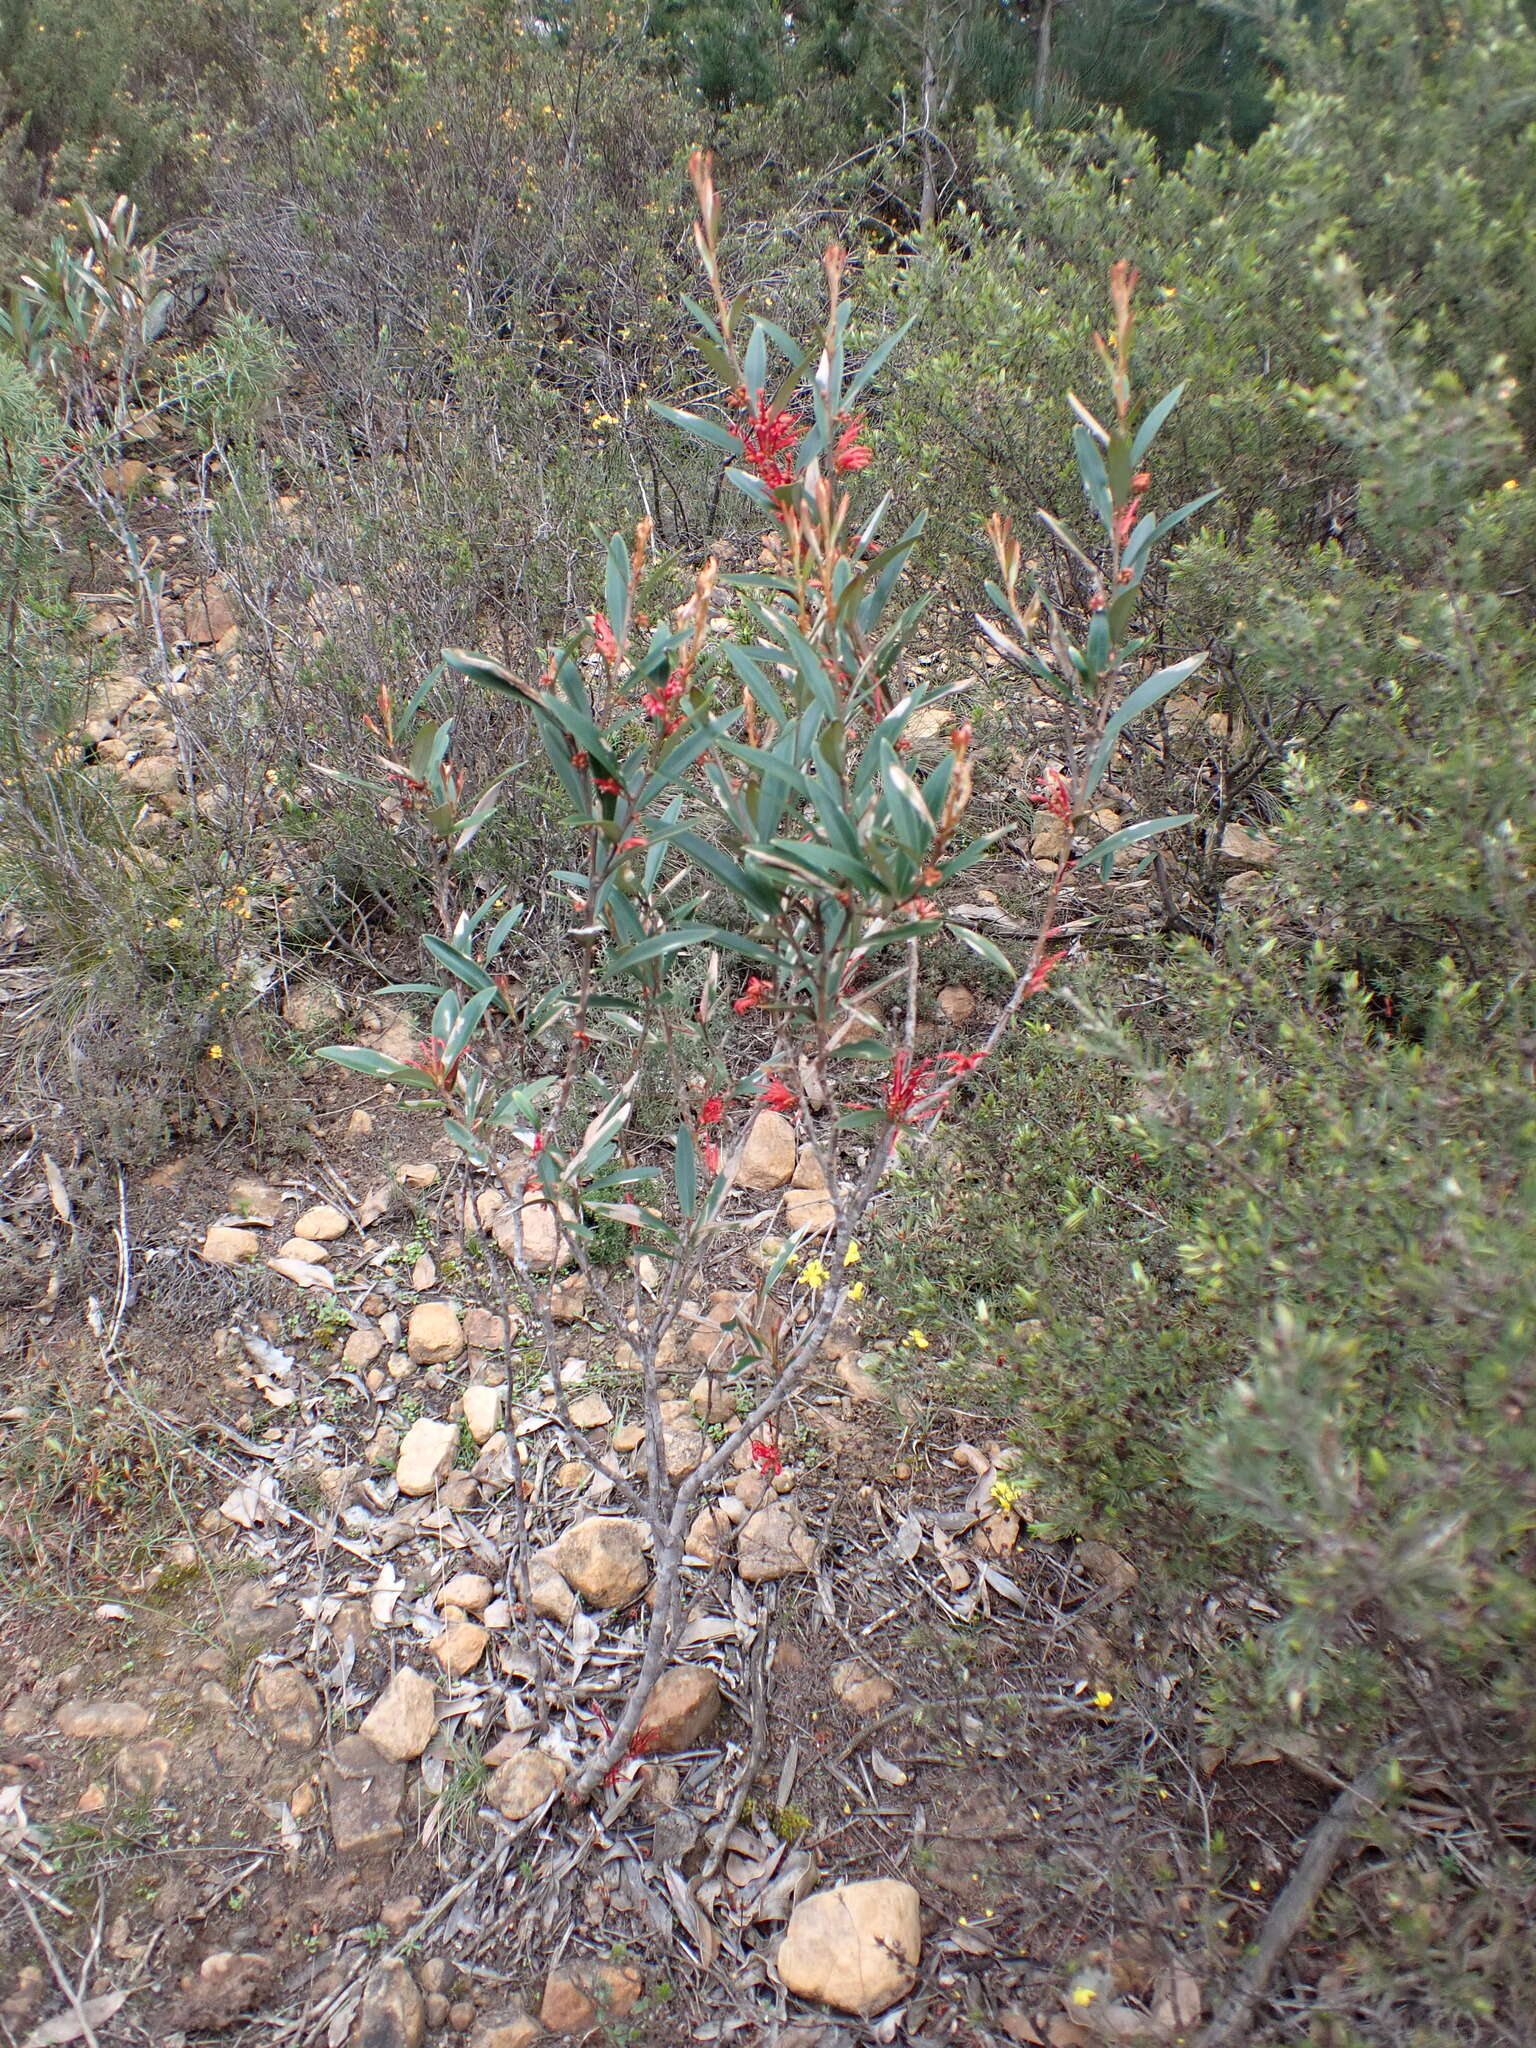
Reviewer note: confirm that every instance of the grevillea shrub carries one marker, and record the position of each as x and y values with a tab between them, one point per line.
763	862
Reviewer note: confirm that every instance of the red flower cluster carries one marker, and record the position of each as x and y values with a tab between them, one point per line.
602	633
777	1096
1054	794
431	1059
1125	518
756	991
912	1086
767	1458
712	1109
850	452
768	442
662	704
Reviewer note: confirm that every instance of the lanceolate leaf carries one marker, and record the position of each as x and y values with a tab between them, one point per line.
1145	695
1103	854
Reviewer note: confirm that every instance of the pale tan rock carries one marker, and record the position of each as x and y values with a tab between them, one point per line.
421	1174
546	1247
865	1691
511	2027
573	1475
684	1447
854	1947
225	1245
568	1301
117	1720
768	1157
484	1331
956	1004
714	1400
402	1720
590	1411
482	1411
284	1698
859	1384
773	1543
426	1457
460	1647
255	1202
681	1710
629	1436
434	1334
709	1340
424	1274
142	1768
208	617
1247	849
471	1591
603	1558
359	1124
807	1205
153	775
551	1595
305	1250
362	1349
521	1787
323	1223
712	1532
577	1996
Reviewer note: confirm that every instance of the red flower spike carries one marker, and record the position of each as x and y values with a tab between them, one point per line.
712	1109
777	1096
602	633
768	442
755	992
850	453
767	1458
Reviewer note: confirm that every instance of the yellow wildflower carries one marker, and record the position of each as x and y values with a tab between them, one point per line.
852	1256
215	1052
814	1274
1083	1994
1103	1697
917	1338
856	1291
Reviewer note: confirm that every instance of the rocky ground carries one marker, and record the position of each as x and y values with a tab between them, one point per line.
285	1764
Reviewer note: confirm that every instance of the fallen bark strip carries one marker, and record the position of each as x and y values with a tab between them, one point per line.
1291	1911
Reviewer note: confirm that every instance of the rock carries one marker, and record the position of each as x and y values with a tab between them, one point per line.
807	1205
711	1533
1247	849
860	1688
305	1249
568	1301
512	2027
424	1274
709	1341
113	1720
545	1246
751	1489
591	1411
573	1475
395	1915
208	617
484	1331
322	1224
471	1591
284	1698
683	1447
713	1399
362	1349
521	1787
957	1005
383	1447
603	1558
629	1436
422	1173
768	1157
364	1791
859	1384
482	1411
253	1616
311	1006
426	1456
142	1768
437	2009
854	1947
359	1124
392	2014
434	1335
683	1708
774	1543
226	1245
551	1596
401	1721
1101	1561
460	1647
253	1201
577	1996
153	775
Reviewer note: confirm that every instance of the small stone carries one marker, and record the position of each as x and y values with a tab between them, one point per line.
460	1647
471	1591
392	2014
252	1616
710	1534
113	1720
426	1457
424	1274
751	1489
383	1447
437	2010
364	1791
421	1174
362	1349
1247	849
859	1384
225	1245
304	1249
807	1205
397	1914
680	1712
629	1436
568	1301
603	1558
774	1544
521	1787
254	1201
957	1005
860	1688
484	1331
461	2016
768	1157
546	1247
359	1124
497	1615
684	1447
435	1335
284	1698
713	1400
577	1996
590	1411
436	1974
1101	1561
142	1768
482	1411
551	1595
854	1947
511	2027
322	1224
402	1720
573	1475
153	775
